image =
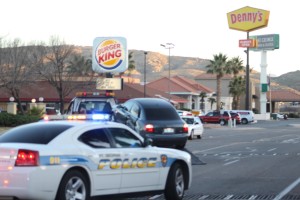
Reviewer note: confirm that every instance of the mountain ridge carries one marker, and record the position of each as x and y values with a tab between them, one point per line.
157	66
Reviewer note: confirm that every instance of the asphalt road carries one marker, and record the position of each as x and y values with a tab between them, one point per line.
256	161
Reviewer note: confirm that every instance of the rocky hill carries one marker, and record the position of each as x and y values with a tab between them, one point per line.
290	79
157	66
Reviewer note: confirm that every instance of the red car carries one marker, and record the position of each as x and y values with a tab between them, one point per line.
217	117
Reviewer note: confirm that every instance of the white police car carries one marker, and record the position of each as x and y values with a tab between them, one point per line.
81	159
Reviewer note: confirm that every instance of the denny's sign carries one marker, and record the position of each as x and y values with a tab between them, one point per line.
248	19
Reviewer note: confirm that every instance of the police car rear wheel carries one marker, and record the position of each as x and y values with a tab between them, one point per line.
175	183
73	186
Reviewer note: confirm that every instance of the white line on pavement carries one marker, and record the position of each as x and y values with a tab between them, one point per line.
287	190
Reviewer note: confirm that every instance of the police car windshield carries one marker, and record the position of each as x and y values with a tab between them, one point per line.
93	107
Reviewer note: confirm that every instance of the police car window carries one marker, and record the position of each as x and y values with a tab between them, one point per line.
95	138
34	133
124	138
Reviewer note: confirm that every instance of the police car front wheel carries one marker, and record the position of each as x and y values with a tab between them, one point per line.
175	183
74	185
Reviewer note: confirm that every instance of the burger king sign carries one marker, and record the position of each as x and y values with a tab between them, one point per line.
109	54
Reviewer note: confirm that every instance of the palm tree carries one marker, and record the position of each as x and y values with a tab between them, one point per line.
236	65
237	87
212	101
202	95
218	66
131	64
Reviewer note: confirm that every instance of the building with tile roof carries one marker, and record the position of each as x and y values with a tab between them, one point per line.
209	80
42	89
183	87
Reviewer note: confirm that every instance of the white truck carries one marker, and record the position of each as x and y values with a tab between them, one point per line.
88	105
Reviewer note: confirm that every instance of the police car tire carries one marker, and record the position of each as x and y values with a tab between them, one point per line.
175	183
72	177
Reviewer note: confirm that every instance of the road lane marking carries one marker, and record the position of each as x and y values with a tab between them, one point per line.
287	190
229	196
272	149
253	197
203	197
155	196
234	161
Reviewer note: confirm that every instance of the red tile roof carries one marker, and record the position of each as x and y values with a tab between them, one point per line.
45	90
284	96
179	84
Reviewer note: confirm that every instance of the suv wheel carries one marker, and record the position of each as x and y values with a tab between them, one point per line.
244	121
222	122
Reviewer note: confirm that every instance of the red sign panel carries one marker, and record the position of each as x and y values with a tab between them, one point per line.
247	43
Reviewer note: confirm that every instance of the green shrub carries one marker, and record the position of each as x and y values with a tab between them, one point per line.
11	120
35	111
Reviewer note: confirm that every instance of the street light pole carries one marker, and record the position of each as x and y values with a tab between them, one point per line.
169	46
145	73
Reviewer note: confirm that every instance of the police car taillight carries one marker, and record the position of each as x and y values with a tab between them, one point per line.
149	128
27	158
185	128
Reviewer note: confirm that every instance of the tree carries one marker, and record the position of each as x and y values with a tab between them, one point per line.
55	68
219	67
236	65
131	64
236	87
202	95
80	66
212	101
16	68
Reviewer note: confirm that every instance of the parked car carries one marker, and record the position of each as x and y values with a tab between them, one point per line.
77	160
247	116
195	126
183	112
219	117
154	118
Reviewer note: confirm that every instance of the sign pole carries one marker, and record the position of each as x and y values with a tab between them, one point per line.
247	77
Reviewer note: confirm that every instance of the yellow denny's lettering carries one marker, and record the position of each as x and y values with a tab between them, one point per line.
118	163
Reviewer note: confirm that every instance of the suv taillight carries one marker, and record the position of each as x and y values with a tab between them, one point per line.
185	128
27	158
149	128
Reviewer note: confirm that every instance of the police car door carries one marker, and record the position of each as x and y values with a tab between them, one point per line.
140	169
106	175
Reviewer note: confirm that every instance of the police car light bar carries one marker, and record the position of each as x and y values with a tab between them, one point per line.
95	94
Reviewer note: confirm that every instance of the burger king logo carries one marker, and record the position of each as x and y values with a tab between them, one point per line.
110	55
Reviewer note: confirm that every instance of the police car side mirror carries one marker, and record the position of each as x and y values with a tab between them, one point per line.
148	142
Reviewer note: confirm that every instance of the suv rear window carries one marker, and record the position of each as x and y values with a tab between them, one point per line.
160	113
34	134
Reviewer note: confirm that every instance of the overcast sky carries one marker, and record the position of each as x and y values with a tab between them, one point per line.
198	28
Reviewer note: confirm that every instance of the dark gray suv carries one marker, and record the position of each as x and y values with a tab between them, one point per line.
153	118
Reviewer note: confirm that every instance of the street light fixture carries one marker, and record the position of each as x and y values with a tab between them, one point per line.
145	73
169	46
